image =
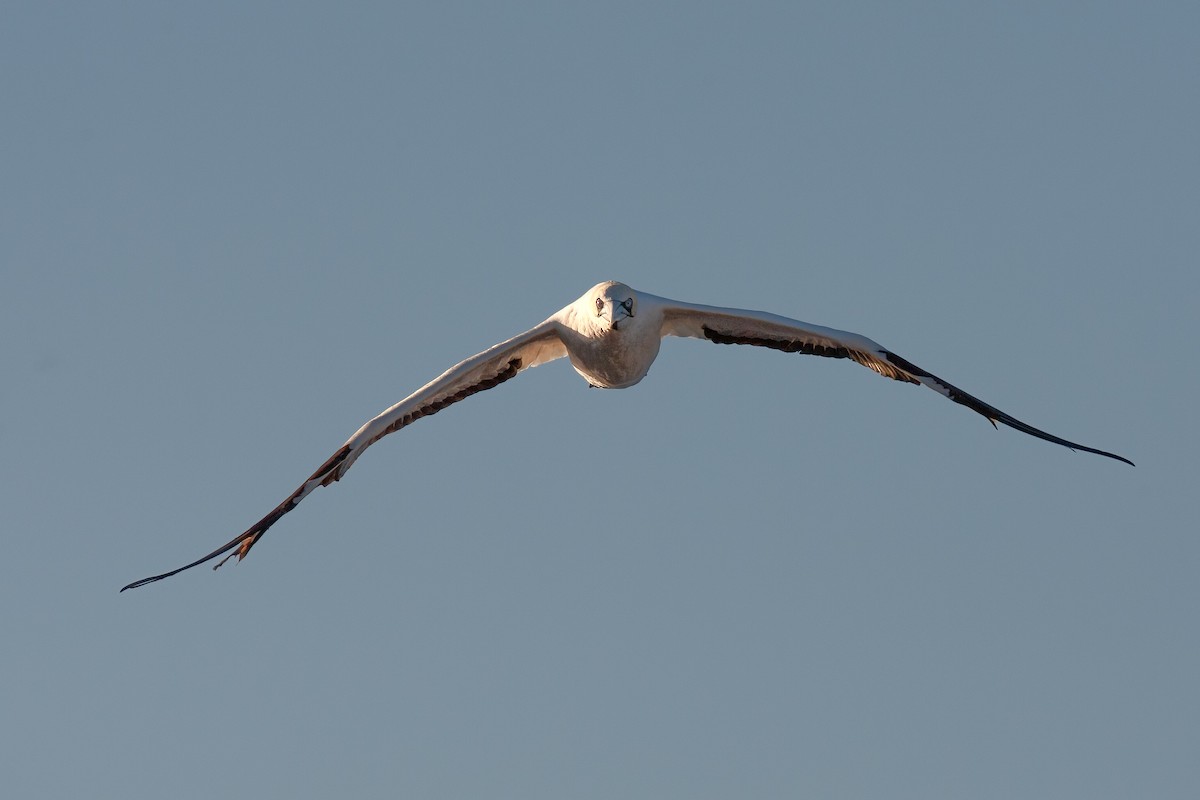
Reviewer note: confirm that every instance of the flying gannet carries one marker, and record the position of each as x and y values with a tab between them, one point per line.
612	335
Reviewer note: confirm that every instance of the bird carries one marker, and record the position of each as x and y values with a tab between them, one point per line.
612	335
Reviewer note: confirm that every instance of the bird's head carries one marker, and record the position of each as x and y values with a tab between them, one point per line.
611	303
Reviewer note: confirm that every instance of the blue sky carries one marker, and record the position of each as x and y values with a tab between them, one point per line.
232	232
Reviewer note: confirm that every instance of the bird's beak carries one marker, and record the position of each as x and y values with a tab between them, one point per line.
616	314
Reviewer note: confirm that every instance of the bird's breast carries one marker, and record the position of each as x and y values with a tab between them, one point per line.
615	359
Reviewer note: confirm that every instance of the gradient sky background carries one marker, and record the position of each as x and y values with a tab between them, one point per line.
232	232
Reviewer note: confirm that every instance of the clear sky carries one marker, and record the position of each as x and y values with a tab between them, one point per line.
232	232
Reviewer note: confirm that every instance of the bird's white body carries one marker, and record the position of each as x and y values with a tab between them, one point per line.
612	347
612	335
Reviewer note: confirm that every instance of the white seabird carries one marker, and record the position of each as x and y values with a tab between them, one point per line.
612	335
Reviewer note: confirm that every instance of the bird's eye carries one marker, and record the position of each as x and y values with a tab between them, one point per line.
628	304
599	304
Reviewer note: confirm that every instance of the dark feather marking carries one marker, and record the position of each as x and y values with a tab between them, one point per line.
429	409
786	345
992	413
813	349
245	540
901	369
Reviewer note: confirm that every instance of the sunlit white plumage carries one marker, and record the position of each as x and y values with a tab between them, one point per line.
612	335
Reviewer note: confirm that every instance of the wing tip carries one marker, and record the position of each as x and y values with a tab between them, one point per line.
1113	456
1120	458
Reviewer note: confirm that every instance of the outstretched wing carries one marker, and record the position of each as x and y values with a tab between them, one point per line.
735	326
483	371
